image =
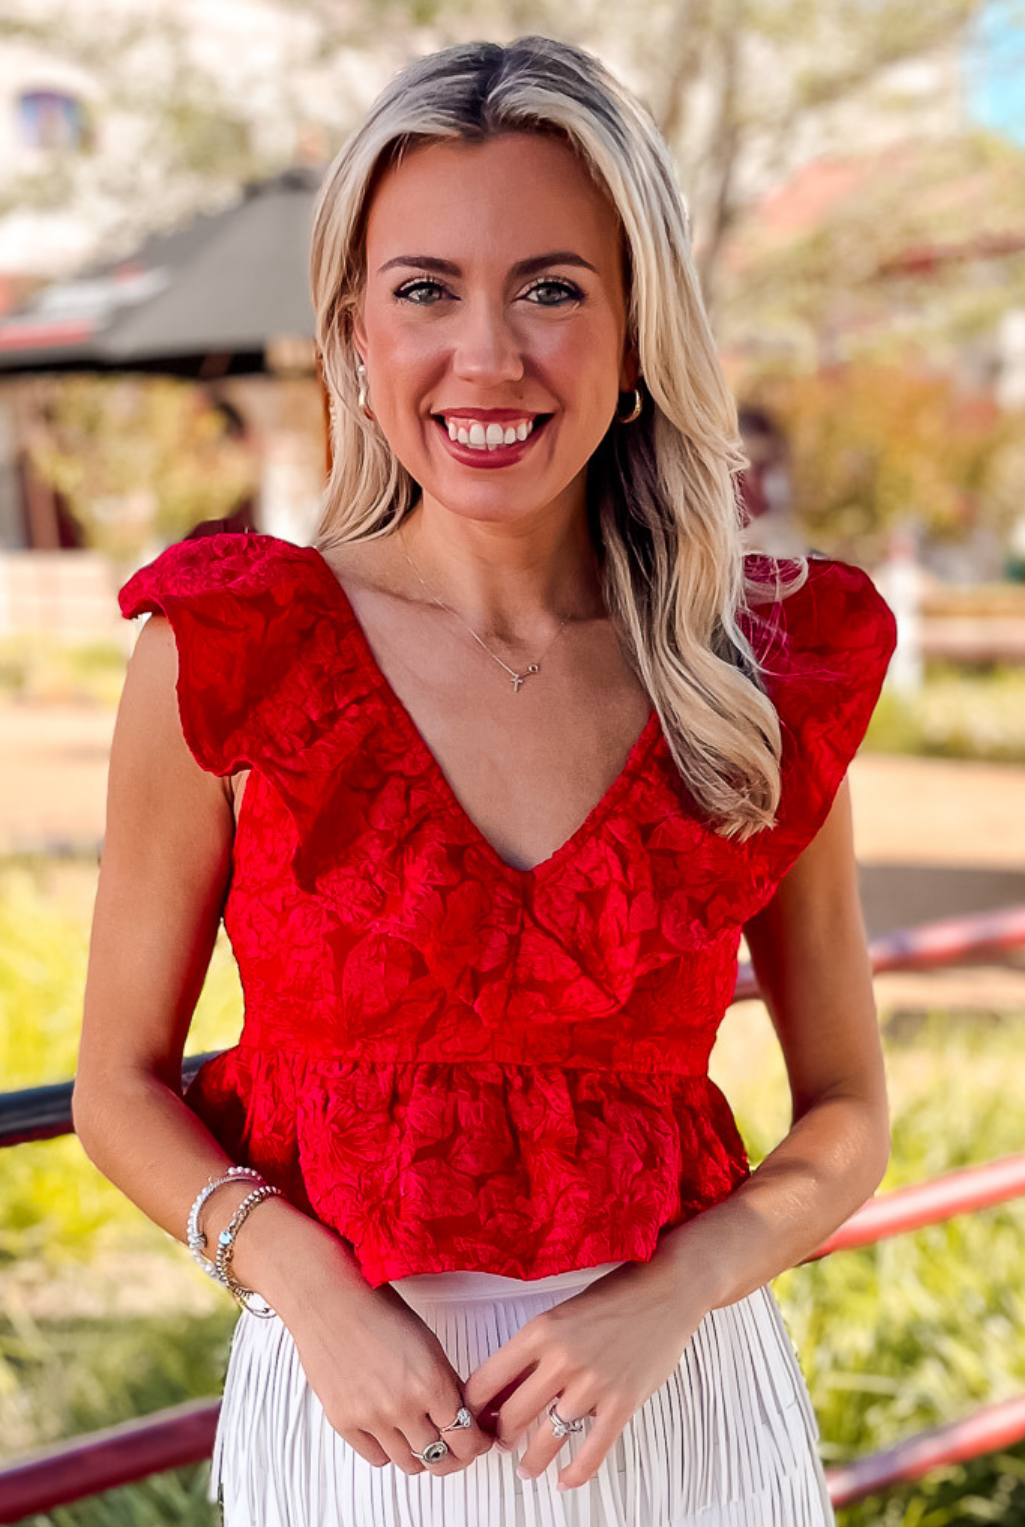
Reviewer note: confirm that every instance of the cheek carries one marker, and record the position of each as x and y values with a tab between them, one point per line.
405	368
584	358
395	346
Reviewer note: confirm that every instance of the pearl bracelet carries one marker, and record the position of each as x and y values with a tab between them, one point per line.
195	1237
226	1249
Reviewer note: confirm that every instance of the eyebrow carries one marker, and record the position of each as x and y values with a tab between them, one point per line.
521	268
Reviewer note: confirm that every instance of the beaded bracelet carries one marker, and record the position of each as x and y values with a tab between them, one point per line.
226	1249
195	1238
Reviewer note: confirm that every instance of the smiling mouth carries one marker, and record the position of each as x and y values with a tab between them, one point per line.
475	435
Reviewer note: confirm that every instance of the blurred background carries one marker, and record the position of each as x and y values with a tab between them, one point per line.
855	171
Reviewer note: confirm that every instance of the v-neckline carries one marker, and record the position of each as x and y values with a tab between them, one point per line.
598	812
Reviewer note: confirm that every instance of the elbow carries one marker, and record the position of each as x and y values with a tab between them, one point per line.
84	1115
99	1109
871	1155
883	1150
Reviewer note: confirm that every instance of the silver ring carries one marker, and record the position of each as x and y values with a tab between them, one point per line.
560	1427
463	1418
432	1453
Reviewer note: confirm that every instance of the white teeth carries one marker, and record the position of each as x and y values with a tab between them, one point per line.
488	438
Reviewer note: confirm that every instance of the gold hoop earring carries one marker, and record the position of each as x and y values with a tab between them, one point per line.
364	391
635	412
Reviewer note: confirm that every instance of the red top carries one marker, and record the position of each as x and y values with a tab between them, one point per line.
453	1062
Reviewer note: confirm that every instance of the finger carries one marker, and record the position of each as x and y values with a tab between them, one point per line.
465	1442
487	1416
602	1433
501	1370
400	1448
367	1447
544	1445
525	1404
426	1432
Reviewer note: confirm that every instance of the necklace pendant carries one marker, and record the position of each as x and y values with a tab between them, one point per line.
518	678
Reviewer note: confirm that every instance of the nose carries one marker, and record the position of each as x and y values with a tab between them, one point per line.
486	349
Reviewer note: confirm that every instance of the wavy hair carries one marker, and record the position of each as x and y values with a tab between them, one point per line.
662	498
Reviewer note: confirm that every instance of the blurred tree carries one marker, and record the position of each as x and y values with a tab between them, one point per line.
138	458
921	245
740	88
746	90
873	444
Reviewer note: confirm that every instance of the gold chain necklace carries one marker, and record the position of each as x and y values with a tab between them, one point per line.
517	678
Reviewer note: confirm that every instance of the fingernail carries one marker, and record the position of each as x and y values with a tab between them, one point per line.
560	1486
522	1472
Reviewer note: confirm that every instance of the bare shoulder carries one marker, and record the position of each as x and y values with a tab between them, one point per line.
150	758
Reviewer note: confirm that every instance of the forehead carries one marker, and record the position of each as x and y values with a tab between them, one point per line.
506	193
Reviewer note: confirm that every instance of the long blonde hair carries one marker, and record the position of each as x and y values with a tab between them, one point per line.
662	494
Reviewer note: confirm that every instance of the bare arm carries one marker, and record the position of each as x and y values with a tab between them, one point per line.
381	1374
810	955
163	876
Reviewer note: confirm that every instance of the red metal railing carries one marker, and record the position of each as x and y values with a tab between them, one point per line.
928	1203
948	941
992	1427
172	1438
118	1455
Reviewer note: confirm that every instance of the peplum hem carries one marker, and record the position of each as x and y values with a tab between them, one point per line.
521	1170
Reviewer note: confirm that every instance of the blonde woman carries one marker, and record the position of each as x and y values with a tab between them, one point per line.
487	783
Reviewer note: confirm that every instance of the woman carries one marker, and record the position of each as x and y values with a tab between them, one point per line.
526	743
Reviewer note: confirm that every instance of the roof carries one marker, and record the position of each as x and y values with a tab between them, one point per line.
228	283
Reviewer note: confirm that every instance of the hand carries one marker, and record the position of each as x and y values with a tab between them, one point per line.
384	1380
380	1373
599	1353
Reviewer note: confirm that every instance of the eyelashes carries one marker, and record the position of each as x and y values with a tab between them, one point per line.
569	291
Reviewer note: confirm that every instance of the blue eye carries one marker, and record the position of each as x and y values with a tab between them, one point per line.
566	290
405	293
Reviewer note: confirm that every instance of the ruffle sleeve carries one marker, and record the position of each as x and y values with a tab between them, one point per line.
824	651
266	676
231	603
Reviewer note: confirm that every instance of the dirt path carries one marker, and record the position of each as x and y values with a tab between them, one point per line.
53	768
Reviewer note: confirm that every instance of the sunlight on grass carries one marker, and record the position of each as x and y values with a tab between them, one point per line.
959	713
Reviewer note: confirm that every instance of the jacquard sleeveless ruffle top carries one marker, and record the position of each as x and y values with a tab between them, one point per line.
453	1062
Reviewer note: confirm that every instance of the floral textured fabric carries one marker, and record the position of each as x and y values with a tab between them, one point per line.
453	1062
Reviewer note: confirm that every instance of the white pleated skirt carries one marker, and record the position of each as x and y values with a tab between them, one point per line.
729	1440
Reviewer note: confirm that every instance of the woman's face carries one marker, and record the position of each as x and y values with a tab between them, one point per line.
494	309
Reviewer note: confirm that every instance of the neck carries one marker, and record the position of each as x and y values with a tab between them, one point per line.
505	578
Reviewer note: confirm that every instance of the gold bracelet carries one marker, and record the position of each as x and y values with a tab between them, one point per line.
226	1249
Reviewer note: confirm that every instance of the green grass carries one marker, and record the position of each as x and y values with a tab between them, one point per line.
893	1339
47	668
961	712
53	1203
